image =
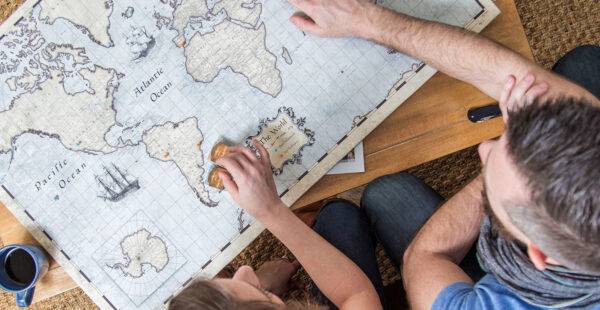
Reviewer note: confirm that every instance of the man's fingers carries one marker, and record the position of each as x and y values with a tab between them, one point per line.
508	86
537	91
244	151
301	5
519	91
505	95
305	23
229	184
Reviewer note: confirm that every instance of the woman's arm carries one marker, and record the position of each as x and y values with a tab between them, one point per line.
250	183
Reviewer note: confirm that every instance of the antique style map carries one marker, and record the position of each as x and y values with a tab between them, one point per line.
109	109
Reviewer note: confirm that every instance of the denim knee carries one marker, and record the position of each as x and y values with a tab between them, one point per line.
583	52
375	192
336	212
582	66
579	57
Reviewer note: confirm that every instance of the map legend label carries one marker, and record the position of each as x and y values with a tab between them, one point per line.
284	137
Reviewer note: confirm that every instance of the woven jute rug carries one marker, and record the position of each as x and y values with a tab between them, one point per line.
553	27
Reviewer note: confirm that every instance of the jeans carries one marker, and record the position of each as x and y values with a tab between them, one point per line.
394	207
582	66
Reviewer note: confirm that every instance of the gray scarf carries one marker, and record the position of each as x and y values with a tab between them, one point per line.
556	287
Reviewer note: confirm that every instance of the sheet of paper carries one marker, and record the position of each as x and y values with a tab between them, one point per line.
353	162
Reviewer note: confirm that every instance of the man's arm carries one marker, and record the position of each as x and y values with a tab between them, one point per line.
454	51
431	261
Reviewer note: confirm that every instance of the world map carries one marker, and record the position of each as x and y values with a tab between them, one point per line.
109	110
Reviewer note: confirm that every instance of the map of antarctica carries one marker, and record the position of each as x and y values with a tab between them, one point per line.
109	110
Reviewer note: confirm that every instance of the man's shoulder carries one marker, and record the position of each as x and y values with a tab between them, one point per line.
488	293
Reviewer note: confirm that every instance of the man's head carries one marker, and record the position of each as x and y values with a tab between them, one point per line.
543	182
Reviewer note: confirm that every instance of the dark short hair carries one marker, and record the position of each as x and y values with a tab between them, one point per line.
556	147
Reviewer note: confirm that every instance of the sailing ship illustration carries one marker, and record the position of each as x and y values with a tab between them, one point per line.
116	184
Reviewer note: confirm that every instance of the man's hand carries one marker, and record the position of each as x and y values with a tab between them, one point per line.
515	95
333	18
250	180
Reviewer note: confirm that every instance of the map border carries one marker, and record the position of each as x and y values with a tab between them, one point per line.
407	86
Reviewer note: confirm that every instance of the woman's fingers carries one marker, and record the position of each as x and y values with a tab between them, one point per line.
244	169
237	165
244	162
249	154
229	184
264	154
231	165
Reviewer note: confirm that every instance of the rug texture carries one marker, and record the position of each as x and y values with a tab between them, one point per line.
552	27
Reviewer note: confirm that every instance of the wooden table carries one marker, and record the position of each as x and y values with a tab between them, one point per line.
431	124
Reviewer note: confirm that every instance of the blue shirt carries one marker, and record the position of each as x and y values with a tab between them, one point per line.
488	293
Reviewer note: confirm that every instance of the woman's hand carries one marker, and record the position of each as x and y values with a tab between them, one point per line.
250	180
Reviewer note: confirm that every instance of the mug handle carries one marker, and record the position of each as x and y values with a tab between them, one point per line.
24	297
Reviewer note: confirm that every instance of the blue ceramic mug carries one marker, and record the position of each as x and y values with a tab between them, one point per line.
22	266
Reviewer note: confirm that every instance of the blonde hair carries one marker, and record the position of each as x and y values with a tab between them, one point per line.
206	295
